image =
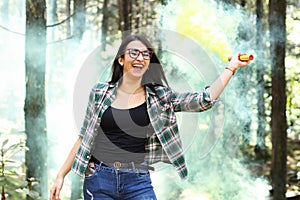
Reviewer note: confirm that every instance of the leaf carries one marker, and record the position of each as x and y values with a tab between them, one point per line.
33	179
13	173
19	190
14	180
2	179
4	143
13	147
23	184
33	194
24	191
9	161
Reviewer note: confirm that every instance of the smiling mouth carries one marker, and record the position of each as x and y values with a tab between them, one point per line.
138	66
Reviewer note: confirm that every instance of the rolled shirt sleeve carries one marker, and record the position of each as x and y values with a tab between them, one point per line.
191	101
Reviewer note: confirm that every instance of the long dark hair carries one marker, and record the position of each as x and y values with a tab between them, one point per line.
153	76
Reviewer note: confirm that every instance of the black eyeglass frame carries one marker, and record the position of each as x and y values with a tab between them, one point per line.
140	52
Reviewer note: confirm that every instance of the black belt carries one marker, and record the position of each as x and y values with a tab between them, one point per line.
120	165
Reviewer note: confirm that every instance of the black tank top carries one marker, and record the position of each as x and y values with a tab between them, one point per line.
123	135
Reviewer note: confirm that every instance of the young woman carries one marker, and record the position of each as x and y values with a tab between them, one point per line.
130	124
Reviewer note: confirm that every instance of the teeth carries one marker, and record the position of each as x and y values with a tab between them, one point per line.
138	66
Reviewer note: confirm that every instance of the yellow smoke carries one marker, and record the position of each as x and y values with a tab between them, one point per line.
210	26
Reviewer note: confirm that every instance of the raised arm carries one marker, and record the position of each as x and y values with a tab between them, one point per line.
218	85
65	169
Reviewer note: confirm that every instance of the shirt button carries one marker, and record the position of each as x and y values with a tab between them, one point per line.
88	157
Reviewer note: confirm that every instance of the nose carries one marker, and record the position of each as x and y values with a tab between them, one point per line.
140	56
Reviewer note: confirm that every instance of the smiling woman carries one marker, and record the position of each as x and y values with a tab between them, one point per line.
135	62
130	124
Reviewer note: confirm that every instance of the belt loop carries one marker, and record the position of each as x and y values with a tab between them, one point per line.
133	166
99	165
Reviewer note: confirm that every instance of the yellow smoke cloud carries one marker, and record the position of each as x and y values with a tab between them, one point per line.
211	27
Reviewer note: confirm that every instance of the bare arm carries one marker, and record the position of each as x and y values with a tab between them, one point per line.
219	85
65	169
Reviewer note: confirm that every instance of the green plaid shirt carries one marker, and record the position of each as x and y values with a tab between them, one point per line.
164	144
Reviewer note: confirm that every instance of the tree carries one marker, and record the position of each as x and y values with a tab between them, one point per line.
104	27
260	148
124	15
4	8
277	26
79	18
34	108
52	17
68	12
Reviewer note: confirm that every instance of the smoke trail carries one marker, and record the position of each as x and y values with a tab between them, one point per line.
201	20
220	175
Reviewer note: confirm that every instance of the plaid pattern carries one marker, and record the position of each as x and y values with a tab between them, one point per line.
164	144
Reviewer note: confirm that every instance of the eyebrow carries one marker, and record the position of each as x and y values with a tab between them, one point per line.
138	49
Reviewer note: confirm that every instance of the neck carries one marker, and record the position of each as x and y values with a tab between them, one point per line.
131	86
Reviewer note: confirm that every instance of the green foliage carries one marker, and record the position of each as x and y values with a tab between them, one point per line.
293	71
12	178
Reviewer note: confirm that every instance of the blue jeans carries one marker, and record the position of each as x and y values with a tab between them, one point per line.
107	183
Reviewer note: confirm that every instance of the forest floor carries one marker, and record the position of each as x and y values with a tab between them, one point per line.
262	168
293	167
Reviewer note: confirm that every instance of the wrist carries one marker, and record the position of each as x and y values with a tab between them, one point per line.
232	69
61	175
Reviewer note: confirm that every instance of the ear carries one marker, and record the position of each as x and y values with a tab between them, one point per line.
121	61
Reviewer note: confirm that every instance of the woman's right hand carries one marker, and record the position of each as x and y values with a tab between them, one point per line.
58	184
55	190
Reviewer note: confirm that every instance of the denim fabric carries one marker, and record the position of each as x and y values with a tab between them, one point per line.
107	183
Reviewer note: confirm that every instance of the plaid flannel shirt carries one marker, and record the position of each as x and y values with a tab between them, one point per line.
164	144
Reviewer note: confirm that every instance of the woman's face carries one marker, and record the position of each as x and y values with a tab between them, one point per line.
136	59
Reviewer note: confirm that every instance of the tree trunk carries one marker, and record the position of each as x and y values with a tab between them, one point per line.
79	19
243	3
104	26
68	12
4	10
53	6
164	2
52	18
34	108
260	147
125	22
244	36
277	25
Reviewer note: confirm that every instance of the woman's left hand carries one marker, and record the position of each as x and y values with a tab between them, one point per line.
235	63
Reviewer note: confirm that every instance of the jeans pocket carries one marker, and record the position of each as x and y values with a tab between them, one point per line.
90	172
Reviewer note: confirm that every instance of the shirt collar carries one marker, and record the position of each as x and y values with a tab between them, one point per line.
113	85
148	89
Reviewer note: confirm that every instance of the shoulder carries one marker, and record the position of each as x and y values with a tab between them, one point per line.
161	89
161	92
99	90
100	86
157	89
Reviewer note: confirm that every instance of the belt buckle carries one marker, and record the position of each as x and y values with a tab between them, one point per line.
117	165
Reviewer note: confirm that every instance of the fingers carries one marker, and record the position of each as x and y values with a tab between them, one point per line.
236	62
54	193
57	193
243	63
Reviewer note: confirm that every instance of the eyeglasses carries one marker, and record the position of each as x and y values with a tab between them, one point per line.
134	53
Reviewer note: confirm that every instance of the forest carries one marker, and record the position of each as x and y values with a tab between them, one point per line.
247	147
